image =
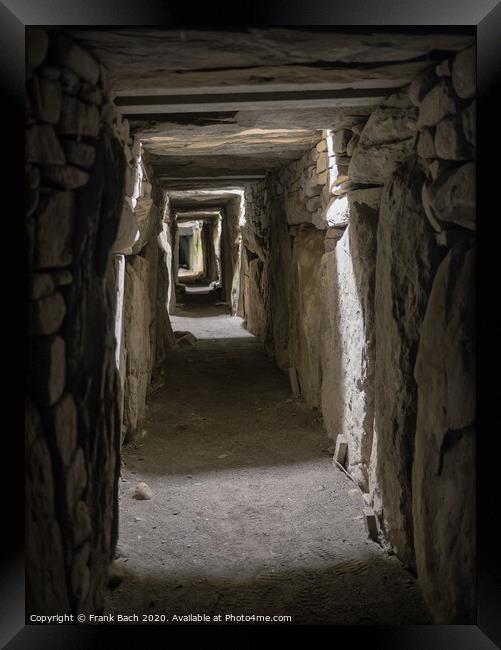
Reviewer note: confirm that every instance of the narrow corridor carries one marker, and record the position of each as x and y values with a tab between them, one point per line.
248	513
251	287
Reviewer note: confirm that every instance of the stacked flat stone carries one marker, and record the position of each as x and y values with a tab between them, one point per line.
69	440
445	98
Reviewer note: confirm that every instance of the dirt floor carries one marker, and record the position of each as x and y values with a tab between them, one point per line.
248	513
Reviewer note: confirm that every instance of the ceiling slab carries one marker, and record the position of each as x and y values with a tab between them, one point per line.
173	58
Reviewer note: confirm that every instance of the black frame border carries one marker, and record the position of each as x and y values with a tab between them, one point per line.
484	16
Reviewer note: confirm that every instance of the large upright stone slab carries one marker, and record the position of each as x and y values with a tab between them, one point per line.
406	262
137	314
347	338
305	335
443	476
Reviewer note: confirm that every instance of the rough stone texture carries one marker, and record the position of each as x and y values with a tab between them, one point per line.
464	73
65	178
451	198
46	97
54	230
437	104
138	58
406	262
46	314
45	581
337	213
91	375
78	118
37	45
305	329
426	144
421	85
468	117
62	425
74	57
47	369
42	145
79	153
347	340
450	141
137	314
42	285
387	139
72	468
127	232
444	460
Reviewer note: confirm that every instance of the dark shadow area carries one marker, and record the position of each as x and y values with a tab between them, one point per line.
369	590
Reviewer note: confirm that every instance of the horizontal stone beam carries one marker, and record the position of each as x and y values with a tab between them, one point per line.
146	106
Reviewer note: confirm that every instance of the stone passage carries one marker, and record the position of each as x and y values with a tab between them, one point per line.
247	515
250	377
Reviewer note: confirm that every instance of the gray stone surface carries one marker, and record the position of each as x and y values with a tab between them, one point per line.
406	261
78	118
37	45
450	141
464	73
347	339
46	314
54	230
46	97
444	461
387	139
65	177
451	198
75	58
42	145
46	591
79	153
439	102
62	420
47	369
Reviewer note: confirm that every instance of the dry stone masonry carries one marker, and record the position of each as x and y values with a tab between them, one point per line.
75	175
352	261
345	251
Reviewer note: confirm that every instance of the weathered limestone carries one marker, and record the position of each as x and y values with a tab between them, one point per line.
137	314
305	333
37	45
387	139
406	262
46	99
46	314
443	477
438	103
46	584
65	177
316	285
74	57
54	230
451	198
347	341
450	141
47	369
74	187
80	154
78	118
463	73
42	145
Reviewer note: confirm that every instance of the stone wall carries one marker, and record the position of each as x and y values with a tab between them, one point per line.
350	253
146	330
75	180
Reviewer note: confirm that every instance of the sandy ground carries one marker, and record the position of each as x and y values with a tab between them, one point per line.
248	514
